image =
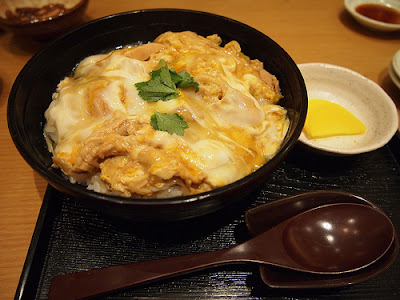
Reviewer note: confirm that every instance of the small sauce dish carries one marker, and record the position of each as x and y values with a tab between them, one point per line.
365	99
378	15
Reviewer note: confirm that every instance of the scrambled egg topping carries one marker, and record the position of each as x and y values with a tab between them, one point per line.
98	127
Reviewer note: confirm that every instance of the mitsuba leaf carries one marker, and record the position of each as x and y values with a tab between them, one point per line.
183	79
171	123
164	83
154	90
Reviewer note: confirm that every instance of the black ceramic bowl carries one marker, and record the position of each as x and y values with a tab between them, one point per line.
33	88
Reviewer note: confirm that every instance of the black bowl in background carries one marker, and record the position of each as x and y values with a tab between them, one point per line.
47	28
31	95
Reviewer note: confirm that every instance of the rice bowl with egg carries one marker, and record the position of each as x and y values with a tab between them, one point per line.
32	92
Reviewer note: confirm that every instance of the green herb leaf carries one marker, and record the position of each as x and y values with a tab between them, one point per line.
163	84
154	90
172	123
185	80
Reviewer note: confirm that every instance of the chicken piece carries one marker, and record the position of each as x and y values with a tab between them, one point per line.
152	170
143	52
269	85
129	161
125	176
238	109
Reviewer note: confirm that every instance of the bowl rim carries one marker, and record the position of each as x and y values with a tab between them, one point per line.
386	98
76	189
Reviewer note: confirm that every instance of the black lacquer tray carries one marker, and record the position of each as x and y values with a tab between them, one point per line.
72	237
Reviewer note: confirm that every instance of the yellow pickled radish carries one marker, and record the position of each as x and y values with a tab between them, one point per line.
327	119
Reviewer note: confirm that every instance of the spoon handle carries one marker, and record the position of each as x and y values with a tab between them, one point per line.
102	280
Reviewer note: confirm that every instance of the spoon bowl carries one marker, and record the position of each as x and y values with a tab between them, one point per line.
337	238
263	217
336	230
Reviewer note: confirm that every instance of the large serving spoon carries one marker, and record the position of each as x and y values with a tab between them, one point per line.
330	239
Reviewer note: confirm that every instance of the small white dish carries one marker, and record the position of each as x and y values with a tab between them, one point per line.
393	75
351	5
365	99
396	63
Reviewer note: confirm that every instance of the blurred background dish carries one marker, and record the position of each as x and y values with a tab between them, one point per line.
396	63
39	78
41	19
362	97
394	69
394	75
379	15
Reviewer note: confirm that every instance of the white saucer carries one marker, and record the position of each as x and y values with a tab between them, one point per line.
393	76
358	94
396	63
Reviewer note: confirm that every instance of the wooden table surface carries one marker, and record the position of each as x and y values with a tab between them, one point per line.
309	30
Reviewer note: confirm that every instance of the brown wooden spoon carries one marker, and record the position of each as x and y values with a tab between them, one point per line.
330	239
265	216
